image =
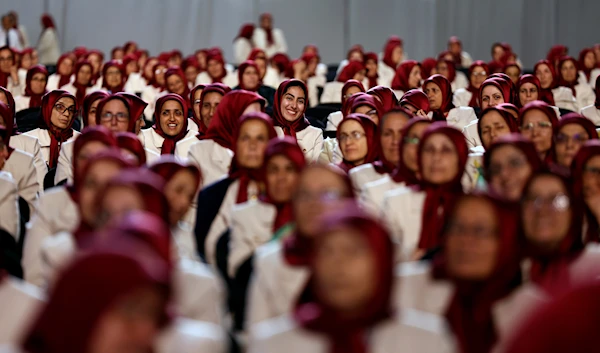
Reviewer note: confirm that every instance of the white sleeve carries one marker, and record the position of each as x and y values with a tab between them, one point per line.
259	38
64	168
280	41
15	43
38	228
9	205
257	307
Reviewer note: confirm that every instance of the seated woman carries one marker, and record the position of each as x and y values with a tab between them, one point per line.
244	182
9	194
155	86
357	138
176	83
134	81
585	187
242	44
350	88
249	80
35	88
82	85
355	53
214	152
372	76
289	119
551	93
439	92
216	71
393	55
269	76
415	216
195	104
571	132
170	130
592	112
113	77
447	68
205	104
279	272
363	315
588	67
63	74
416	102
407	77
467	97
385	96
568	77
132	149
537	122
89	107
332	91
508	164
513	70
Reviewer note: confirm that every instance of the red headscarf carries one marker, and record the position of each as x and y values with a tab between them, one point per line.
440	199
550	114
347	85
81	89
384	166
47	21
35	99
212	88
227	116
290	128
561	79
134	104
508	118
517	141
427	65
86	290
256	53
555	53
546	93
372	79
417	99
582	54
87	104
370	134
589	149
385	96
57	136
390	45
402	173
507	82
470	312
127	59
7	117
281	61
446	89
350	70
451	68
64	79
288	148
356	48
129	141
349	335
168	166
5	75
243	66
403	71
246	31
501	85
95	76
364	99
178	72
268	31
170	142
475	91
236	171
528	78
153	81
90	134
80	52
216	55
118	65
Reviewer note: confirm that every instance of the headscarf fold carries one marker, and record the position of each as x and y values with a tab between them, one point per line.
168	166
35	99
268	31
451	68
417	99
290	128
81	89
170	142
446	89
7	116
427	65
246	31
370	134
501	85
350	70
400	81
386	97
57	136
555	53
475	91
130	142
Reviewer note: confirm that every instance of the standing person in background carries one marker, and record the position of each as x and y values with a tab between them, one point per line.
23	38
242	44
8	35
267	38
461	58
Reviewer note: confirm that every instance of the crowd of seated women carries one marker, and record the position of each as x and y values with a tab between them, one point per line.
176	204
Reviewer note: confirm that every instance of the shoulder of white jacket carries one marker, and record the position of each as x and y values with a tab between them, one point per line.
422	320
189	328
412	268
194	270
7	179
22	289
251	206
273	327
268	252
399	193
21	155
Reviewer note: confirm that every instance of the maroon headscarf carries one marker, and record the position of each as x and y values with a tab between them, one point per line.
555	53
281	61
87	104
446	89
528	78
246	31
7	117
175	70
517	141
82	89
64	79
134	104
546	93
582	54
168	166
256	53
590	149
440	199
236	171
370	134
35	99
216	55
290	128
427	65
417	99
364	99
170	142
501	85
475	91
385	95
561	80
118	65
597	92
288	148
47	21
356	48
577	119
402	173
550	114
243	66
57	136
372	79
349	335
382	165
129	141
508	118
127	59
390	45
350	70
400	81
347	85
227	116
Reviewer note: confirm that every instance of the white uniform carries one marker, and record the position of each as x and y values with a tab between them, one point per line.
462	97
43	137
21	103
149	95
333	120
54	80
310	141
362	175
332	92
402	212
242	48
213	160
191	336
231	79
153	142
590	112
31	145
373	194
70	87
331	152
9	205
19	304
259	38
386	74
20	166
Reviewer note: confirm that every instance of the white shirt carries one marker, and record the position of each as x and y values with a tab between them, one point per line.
402	212
362	175
460	81
10	38
191	336
231	79
31	145
332	92
53	81
153	142
373	193
593	76
331	152
21	166
43	137
150	94
386	74
21	103
590	112
563	98
48	47
310	141
136	83
333	120
20	302
70	87
462	97
213	160
260	41
242	48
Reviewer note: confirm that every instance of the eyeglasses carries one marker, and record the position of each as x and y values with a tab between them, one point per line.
197	101
542	125
353	136
61	108
511	165
531	90
43	79
483	73
121	117
477	231
408	140
559	202
323	196
6	58
577	139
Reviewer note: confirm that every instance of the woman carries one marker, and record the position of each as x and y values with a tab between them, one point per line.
249	80
27	61
588	68
244	182
206	101
89	107
592	112
170	128
176	83
408	76
371	60
58	114
529	88
48	47
242	44
416	215
355	70
478	72
364	317
113	77
568	77
584	172
393	54
385	96
133	80
63	74
121	112
96	58
214	152
439	92
289	119
493	123
513	70
155	86
350	88
216	72
82	85
35	88
268	38
280	266
508	163
416	102
356	137
447	68
537	122
355	53
132	149
571	132
551	93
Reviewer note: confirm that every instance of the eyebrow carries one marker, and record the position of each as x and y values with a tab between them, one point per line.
289	94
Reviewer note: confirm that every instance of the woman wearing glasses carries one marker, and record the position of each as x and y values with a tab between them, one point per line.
467	97
571	132
357	138
35	88
537	121
113	77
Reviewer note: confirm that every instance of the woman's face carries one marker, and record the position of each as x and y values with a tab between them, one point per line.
301	71
397	54
360	76
391	136
591	177
544	74
345	268
439	159
514	73
537	127
546	215
568	71
84	75
201	57
118	54
130	324
214	68
509	171
92	113
116	108
434	94
160	74
171	118
589	60
62	113
411	145
95	60
94	182
261	63
369	111
356	56
26	61
250	78
176	85
442	69
472	243
281	178
353	142
567	143
113	77
371	66
131	67
491	96
251	144
38	83
66	67
414	78
180	192
149	66
118	201
196	106
352	90
528	93
209	106
492	127
478	76
293	103
497	52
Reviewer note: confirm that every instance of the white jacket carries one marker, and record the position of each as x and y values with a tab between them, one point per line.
590	112
231	79
373	194
402	212
241	50
53	81
9	205
48	47
310	141
21	103
331	152
362	175
273	79
19	304
259	38
585	95
191	336
212	159
149	95
70	87
460	81
386	74
460	117
136	83
462	97
20	166
333	120
153	142
221	222
43	137
31	145
332	92
563	98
